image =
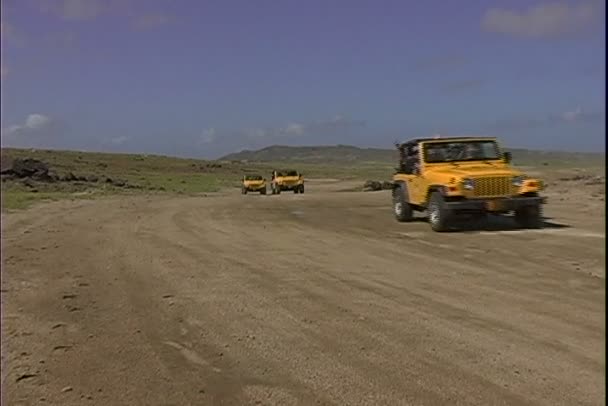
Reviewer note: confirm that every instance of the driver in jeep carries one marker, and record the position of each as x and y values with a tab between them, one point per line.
472	151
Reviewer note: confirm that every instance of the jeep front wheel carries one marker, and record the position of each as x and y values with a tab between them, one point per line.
403	210
438	212
529	217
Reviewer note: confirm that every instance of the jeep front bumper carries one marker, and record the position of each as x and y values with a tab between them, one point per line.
495	205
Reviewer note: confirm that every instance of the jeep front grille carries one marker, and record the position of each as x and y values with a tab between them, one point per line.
494	186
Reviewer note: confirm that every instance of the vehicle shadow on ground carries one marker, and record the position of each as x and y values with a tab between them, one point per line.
502	224
419	218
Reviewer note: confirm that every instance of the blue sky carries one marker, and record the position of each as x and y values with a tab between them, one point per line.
205	78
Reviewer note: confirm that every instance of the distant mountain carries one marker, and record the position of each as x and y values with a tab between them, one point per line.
346	154
314	154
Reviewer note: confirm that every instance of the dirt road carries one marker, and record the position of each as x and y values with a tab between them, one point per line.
320	298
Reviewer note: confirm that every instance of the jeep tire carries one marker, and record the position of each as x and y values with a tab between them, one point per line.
529	216
438	213
302	188
263	191
402	209
244	191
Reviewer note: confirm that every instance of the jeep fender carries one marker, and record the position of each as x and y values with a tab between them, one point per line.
401	187
434	188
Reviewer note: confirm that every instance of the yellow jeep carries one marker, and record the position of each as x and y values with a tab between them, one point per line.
253	183
455	176
287	180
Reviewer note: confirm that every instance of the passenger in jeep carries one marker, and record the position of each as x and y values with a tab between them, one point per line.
409	160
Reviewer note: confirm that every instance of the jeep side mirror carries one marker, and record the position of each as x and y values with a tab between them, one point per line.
507	157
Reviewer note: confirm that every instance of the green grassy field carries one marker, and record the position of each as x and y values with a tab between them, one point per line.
153	174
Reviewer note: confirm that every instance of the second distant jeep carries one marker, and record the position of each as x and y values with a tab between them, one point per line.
462	175
287	180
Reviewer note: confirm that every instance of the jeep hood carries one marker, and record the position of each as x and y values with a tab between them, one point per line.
475	169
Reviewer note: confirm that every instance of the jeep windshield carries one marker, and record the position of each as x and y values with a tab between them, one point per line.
253	177
292	173
460	151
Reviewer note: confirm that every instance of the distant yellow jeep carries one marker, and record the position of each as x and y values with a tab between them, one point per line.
455	176
287	180
253	183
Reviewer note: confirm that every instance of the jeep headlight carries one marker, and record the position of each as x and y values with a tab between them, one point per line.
468	183
518	180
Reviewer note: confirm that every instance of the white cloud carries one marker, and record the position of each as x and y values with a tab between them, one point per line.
572	115
259	133
544	20
37	121
208	136
256	133
119	140
293	129
337	122
35	124
338	118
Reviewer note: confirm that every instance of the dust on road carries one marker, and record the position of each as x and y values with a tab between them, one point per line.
320	298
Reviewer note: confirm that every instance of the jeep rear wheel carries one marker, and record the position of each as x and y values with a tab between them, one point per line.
263	191
244	191
439	214
403	210
529	217
302	188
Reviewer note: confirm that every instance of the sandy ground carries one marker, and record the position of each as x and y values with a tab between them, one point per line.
320	298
